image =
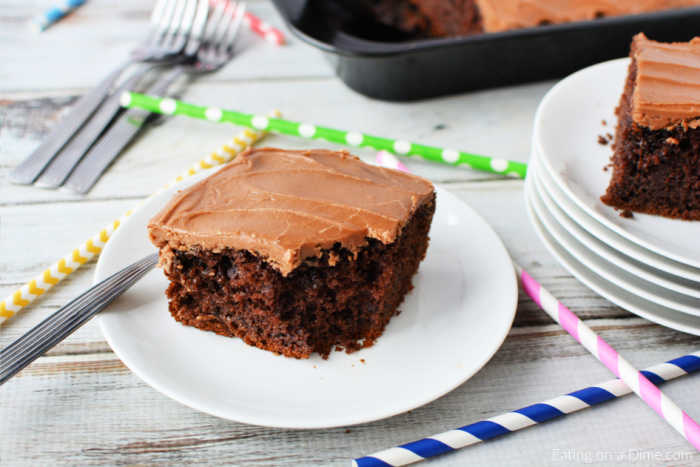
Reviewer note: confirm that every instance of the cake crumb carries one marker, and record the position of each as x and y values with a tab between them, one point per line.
602	141
672	140
627	214
333	259
362	360
315	366
609	136
604	122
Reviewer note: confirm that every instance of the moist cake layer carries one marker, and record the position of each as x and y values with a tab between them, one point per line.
655	171
454	18
287	206
342	299
431	18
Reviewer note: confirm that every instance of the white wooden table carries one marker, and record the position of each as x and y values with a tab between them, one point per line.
80	405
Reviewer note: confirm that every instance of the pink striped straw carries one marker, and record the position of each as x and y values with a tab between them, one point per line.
263	29
645	389
387	159
637	382
255	24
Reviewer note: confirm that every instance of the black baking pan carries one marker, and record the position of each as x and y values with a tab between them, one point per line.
383	63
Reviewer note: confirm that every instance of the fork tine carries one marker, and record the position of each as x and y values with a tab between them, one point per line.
188	17
212	26
200	19
182	29
167	17
231	34
154	32
176	19
227	19
158	10
194	40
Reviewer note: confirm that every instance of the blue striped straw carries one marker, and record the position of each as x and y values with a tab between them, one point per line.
55	13
522	418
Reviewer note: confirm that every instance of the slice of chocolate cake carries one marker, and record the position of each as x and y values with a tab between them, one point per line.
656	159
294	251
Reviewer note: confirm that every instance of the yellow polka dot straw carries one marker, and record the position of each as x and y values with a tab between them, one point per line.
93	246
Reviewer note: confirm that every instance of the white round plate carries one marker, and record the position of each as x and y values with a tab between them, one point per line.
630	302
567	124
609	271
606	235
643	271
451	324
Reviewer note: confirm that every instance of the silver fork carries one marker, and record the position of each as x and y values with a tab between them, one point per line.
171	21
216	49
68	157
70	317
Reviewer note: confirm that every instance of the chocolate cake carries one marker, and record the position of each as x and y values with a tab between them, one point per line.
294	252
656	159
441	18
502	15
429	18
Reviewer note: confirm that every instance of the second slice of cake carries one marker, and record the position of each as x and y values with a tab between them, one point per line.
294	251
656	163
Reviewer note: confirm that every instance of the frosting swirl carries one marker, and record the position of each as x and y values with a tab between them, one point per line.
667	83
286	206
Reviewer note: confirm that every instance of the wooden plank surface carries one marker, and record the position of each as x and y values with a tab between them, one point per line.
79	405
85	46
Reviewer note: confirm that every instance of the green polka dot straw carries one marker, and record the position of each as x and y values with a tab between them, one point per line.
310	131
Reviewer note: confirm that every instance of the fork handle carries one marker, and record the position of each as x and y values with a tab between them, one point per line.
28	171
70	317
69	156
110	145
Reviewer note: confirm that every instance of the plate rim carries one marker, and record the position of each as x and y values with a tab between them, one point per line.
594	244
603	290
577	231
609	237
603	269
538	133
262	421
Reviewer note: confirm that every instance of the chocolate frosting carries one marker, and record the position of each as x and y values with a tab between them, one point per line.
667	85
500	15
286	206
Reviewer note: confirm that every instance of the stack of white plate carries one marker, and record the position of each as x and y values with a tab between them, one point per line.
648	265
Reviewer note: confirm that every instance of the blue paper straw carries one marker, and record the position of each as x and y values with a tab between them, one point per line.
55	13
522	418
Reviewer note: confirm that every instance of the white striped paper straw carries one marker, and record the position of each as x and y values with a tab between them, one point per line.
522	418
55	14
633	378
640	384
